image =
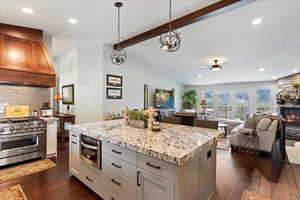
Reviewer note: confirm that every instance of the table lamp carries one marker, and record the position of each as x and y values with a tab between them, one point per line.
57	98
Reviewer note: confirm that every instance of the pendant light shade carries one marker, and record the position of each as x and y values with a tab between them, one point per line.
170	41
118	56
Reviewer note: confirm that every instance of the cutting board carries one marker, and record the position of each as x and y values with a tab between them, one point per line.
16	111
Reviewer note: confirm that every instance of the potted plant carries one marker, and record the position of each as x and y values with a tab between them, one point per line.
137	119
189	99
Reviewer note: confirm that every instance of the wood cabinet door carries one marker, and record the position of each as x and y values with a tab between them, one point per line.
17	54
152	187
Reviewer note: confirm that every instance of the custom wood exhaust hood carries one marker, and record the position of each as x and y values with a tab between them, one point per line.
23	57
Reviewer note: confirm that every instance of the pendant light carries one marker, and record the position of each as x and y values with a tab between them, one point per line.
118	56
170	41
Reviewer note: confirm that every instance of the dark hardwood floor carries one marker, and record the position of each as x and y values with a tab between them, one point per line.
236	172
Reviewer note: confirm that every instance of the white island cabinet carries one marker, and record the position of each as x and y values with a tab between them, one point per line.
178	163
51	136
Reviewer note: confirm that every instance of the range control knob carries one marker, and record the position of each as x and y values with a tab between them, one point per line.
1	130
11	129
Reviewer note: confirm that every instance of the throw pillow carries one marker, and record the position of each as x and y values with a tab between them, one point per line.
264	124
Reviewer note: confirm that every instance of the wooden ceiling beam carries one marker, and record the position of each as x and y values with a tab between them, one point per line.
180	22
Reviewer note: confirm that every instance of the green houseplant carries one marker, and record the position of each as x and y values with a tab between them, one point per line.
137	119
189	99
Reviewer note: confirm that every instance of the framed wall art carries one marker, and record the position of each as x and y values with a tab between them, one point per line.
114	80
68	94
113	93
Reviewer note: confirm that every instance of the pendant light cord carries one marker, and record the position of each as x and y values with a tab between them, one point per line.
170	14
119	28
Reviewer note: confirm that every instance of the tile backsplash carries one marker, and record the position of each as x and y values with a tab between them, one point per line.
23	95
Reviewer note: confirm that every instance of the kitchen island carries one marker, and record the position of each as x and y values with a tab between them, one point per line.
178	163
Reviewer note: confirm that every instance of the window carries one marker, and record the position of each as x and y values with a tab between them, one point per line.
209	98
242	102
263	101
223	105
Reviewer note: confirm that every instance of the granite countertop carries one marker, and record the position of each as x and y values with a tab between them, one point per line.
49	119
175	144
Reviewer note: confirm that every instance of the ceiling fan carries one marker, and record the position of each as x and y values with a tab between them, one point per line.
215	67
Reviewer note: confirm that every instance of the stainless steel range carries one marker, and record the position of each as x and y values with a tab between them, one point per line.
22	139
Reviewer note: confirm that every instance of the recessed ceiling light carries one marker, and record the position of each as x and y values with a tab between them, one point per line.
261	69
256	21
274	77
27	10
295	70
73	21
199	76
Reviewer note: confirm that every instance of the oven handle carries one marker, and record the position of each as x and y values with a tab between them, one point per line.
89	146
21	135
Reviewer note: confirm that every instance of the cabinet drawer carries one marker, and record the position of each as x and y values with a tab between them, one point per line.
120	166
122	186
156	166
119	152
96	179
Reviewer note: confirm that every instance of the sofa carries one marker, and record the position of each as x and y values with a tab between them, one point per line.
266	130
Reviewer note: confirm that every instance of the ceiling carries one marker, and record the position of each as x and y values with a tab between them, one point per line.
273	45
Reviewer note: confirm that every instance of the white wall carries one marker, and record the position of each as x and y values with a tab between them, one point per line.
136	72
82	66
249	86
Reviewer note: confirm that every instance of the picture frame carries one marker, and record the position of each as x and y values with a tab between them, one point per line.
113	93
114	80
68	94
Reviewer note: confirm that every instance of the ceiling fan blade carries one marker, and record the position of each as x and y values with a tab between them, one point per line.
204	68
228	66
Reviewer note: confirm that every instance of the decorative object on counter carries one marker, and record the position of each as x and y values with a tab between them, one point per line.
68	94
34	113
170	41
146	97
189	99
25	169
14	192
46	111
57	98
151	114
126	116
16	111
138	119
156	127
113	93
114	80
118	56
63	118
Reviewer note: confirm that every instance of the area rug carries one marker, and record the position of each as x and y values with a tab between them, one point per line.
293	155
10	173
12	193
247	195
223	144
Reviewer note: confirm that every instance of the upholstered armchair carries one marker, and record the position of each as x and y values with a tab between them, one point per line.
266	131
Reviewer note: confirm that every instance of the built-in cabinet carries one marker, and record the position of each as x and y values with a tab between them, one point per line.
152	186
128	175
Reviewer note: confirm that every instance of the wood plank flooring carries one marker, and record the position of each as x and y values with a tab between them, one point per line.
236	172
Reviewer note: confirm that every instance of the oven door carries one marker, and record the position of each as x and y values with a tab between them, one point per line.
12	145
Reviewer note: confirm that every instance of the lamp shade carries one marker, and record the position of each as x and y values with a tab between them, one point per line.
203	102
57	97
